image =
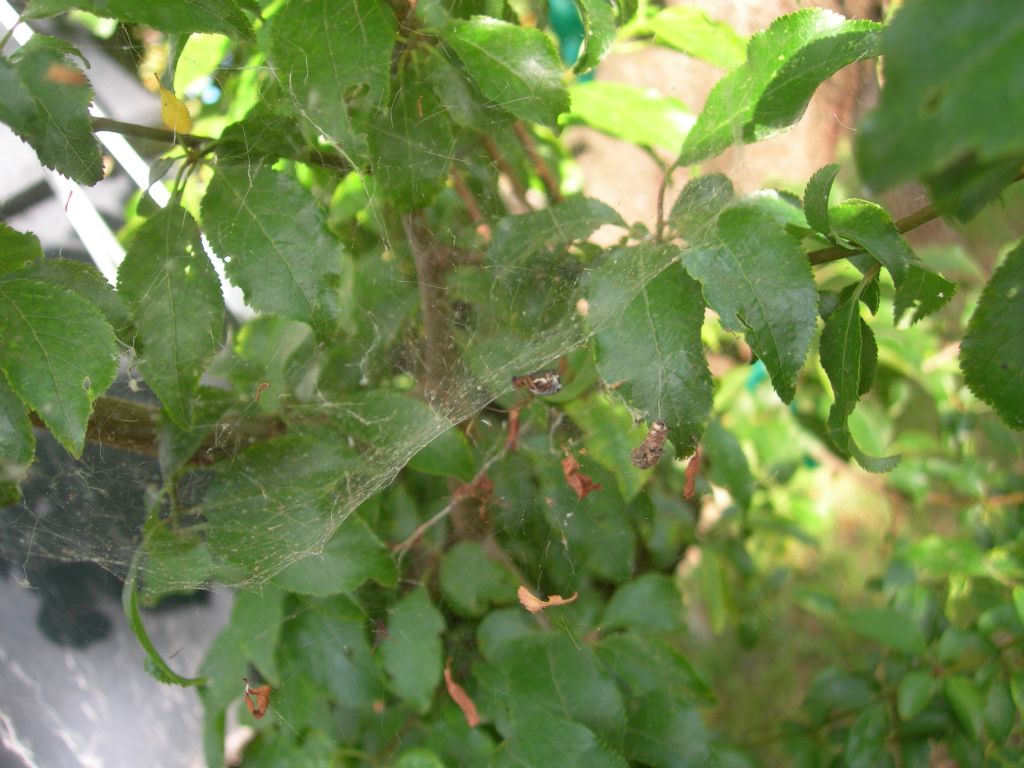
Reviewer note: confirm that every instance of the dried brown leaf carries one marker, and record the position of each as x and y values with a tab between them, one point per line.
534	604
582	484
257	700
691	475
460	697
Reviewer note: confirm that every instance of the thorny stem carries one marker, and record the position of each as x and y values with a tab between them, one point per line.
403	547
545	174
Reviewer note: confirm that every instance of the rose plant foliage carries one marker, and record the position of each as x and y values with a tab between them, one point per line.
386	184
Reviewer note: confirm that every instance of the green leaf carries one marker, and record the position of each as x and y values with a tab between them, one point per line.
665	732
275	501
130	604
515	67
180	16
327	640
834	691
965	701
55	373
599	32
353	555
840	349
757	277
17	444
418	758
637	115
727	463
552	742
698	205
471	581
550	675
991	355
690	30
644	664
412	651
448	455
1017	691
87	281
17	249
411	147
350	42
816	198
274	238
650	603
786	96
17	109
58	129
519	237
951	91
869	226
916	689
249	638
656	352
849	359
889	627
1018	602
785	64
999	713
175	300
867	737
924	291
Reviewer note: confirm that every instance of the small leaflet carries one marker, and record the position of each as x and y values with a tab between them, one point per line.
649	452
460	697
534	604
582	484
257	700
174	113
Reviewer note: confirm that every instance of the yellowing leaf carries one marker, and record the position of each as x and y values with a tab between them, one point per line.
534	604
174	113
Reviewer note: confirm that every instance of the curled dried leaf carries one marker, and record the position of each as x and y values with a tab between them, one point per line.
460	697
692	468
513	428
534	604
257	699
582	484
174	113
649	452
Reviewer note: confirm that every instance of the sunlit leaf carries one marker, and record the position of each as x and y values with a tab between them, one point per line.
180	16
515	67
690	30
640	116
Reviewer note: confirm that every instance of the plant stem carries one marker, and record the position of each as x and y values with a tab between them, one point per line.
545	174
131	426
430	279
518	188
403	547
310	155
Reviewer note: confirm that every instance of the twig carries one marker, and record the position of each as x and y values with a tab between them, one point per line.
310	155
133	427
907	223
464	192
430	279
146	132
422	528
545	174
518	188
659	229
